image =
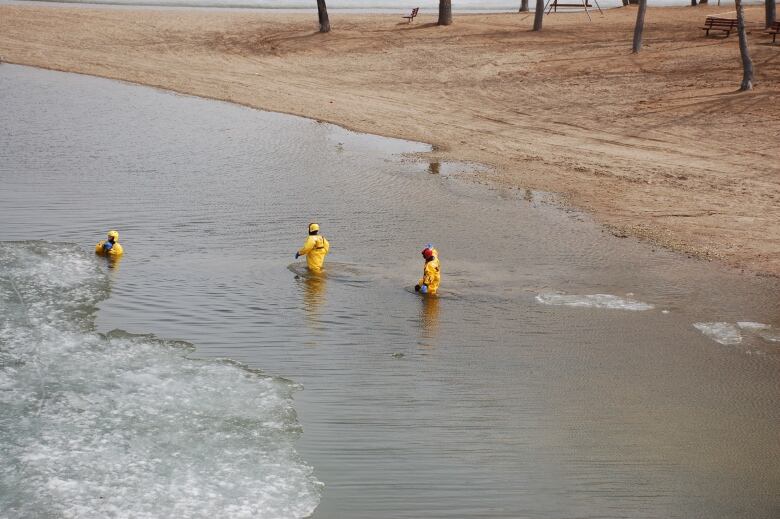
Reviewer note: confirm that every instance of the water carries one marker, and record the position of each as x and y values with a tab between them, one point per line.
98	425
594	301
485	402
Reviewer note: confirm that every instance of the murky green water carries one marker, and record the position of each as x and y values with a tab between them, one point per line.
518	393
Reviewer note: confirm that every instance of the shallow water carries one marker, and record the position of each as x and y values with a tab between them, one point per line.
485	402
116	424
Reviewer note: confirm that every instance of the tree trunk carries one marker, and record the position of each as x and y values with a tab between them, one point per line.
322	12
693	3
771	12
445	12
639	27
538	15
524	6
747	63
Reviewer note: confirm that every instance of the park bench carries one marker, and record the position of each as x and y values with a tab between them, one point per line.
773	30
719	24
411	16
555	4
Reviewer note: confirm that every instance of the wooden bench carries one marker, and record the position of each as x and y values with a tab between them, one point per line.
719	24
411	16
773	30
555	4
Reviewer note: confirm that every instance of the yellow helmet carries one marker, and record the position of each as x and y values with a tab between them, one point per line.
113	234
313	227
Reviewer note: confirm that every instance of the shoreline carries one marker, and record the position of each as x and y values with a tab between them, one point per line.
627	139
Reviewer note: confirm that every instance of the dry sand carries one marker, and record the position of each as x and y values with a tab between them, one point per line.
659	145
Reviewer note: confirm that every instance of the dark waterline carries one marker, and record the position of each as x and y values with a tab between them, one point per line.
483	403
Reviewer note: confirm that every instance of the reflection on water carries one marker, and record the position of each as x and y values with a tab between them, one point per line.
313	295
113	262
483	404
429	317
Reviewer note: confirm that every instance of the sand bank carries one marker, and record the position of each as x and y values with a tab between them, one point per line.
658	145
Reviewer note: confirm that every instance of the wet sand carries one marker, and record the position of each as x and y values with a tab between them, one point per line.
658	145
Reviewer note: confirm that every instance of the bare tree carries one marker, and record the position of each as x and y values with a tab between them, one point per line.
322	12
523	6
771	12
639	27
747	63
538	15
445	12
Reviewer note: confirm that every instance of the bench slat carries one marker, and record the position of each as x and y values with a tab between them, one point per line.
715	23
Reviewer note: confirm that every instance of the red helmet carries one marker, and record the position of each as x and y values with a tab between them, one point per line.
427	252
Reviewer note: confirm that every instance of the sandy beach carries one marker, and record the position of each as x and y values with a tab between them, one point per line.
658	145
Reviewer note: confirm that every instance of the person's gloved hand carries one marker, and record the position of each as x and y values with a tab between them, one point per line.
416	288
424	289
107	246
297	255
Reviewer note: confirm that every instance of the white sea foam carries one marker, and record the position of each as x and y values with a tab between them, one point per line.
608	301
720	332
772	336
765	331
122	425
753	326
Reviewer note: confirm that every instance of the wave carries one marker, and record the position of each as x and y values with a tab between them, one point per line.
122	425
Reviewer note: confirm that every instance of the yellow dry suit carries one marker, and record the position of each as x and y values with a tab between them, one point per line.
431	274
109	247
315	249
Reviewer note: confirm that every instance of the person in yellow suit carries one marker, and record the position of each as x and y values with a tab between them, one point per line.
429	283
109	247
315	249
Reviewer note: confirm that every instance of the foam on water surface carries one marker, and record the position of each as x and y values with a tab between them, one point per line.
720	332
120	425
608	301
765	331
727	333
753	326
